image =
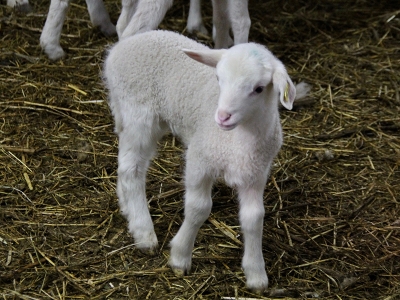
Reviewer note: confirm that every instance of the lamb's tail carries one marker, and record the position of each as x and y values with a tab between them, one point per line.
302	89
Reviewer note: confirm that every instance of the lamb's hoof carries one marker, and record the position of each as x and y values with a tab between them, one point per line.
258	287
258	291
257	282
148	248
56	56
149	251
197	29
180	264
179	272
108	30
54	52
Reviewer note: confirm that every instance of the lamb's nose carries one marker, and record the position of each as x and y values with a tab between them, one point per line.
223	116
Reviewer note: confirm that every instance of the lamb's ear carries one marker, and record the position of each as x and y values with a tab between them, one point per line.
208	57
284	85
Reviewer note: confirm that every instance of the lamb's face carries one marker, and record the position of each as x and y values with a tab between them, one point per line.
243	81
249	76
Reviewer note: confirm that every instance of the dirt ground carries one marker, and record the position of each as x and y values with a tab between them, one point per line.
332	225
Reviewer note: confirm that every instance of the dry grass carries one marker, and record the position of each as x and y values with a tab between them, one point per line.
332	223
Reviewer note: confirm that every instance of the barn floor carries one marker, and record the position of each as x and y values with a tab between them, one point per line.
332	227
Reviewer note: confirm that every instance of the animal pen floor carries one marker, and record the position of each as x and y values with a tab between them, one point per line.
332	225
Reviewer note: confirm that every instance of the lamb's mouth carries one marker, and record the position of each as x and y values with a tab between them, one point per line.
227	127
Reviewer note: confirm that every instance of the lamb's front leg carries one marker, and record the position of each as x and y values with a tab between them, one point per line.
51	33
251	220
198	205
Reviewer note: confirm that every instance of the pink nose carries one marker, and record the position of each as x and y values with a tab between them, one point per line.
223	116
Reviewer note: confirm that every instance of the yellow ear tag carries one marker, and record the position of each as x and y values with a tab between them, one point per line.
286	93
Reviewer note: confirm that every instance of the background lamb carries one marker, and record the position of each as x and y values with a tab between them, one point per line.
50	37
152	92
140	16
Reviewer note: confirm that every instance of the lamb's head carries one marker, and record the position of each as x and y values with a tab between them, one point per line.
250	77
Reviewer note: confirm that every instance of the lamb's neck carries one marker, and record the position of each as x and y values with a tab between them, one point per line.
263	120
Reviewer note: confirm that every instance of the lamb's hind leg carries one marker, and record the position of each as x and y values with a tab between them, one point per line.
221	24
194	21
128	9
148	16
251	220
240	20
197	209
100	17
137	145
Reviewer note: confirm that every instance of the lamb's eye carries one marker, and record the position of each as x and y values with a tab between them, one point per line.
259	89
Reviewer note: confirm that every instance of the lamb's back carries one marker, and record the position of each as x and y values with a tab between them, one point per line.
152	67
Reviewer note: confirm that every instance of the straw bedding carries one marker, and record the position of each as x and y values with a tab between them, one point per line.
332	223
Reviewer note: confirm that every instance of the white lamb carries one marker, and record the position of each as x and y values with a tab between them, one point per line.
154	87
143	15
140	16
